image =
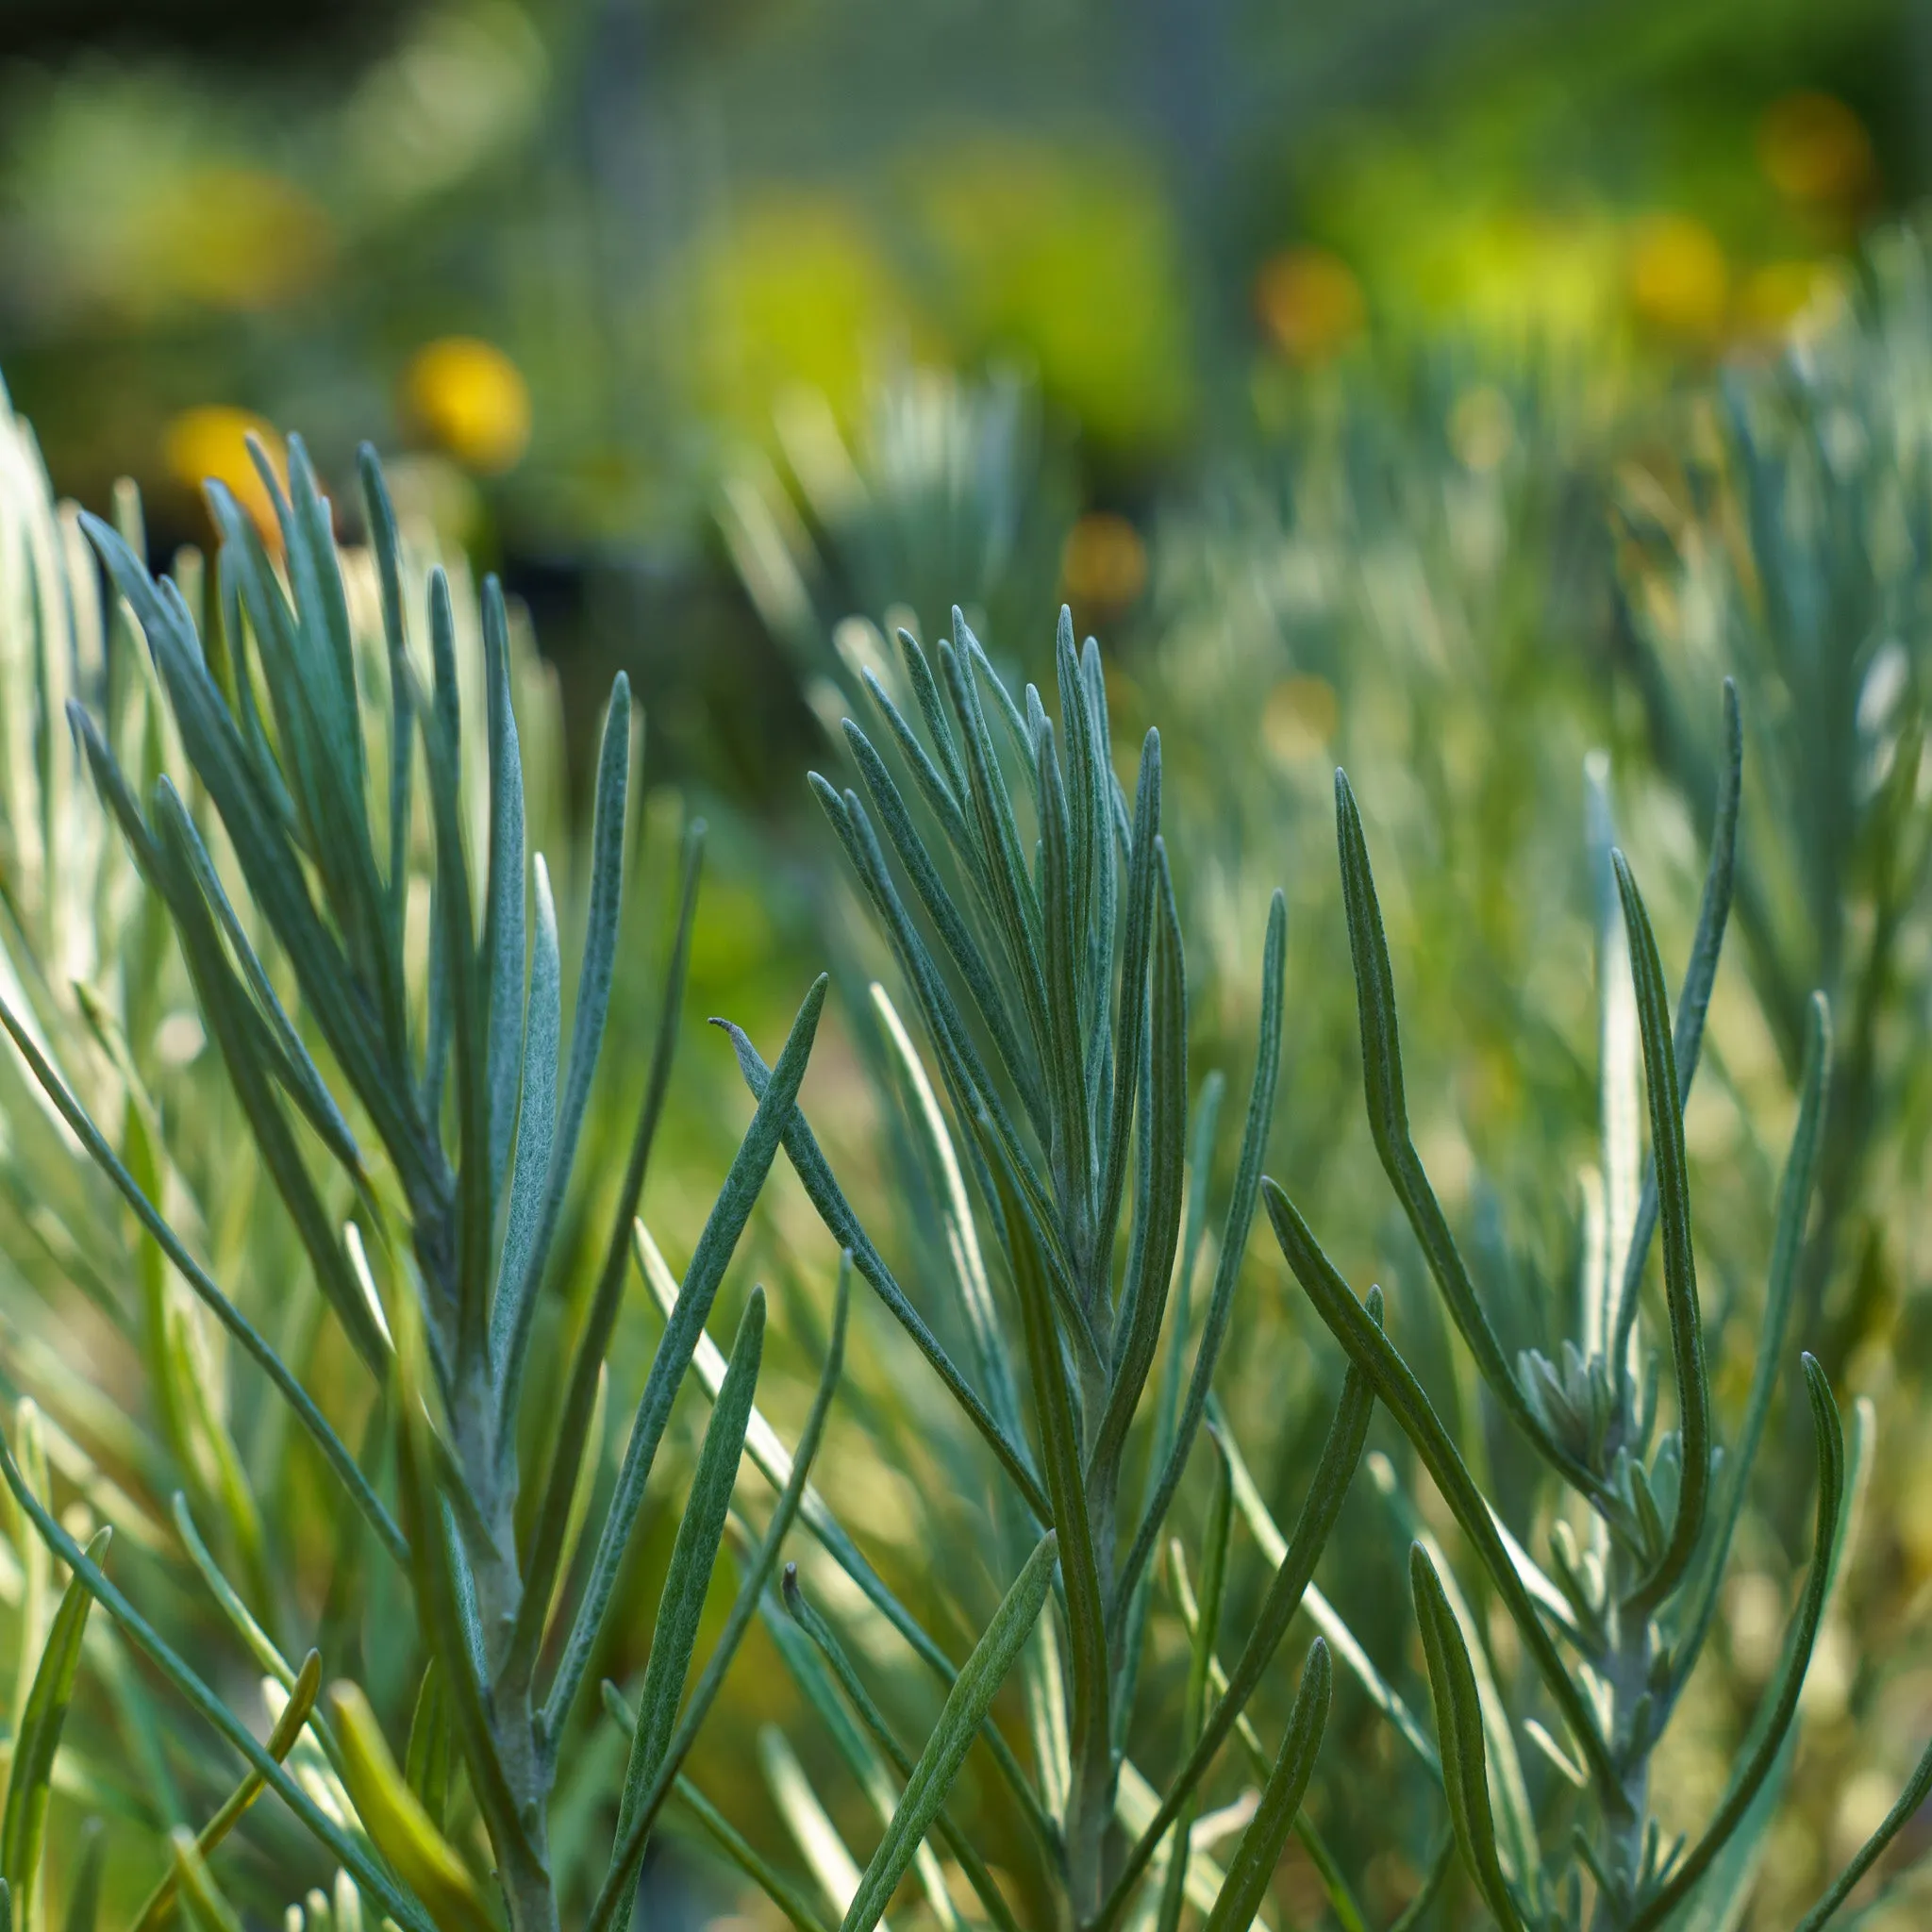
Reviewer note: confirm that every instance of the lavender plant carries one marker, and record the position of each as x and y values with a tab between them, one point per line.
1052	994
291	805
1638	1538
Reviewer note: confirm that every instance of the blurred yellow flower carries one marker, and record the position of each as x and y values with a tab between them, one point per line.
1679	281
469	397
1310	303
1104	565
1815	151
211	443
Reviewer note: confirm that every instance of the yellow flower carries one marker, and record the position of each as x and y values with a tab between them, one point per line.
1104	566
211	443
1679	281
1310	303
471	399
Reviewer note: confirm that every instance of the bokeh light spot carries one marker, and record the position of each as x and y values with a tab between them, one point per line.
210	442
1104	565
1815	151
1311	304
469	398
1679	281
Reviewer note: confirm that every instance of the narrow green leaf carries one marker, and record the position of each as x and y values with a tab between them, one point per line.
224	1007
972	1089
1902	1813
37	1738
1144	1300
776	1465
618	1891
693	1556
925	694
1138	1592
1260	1851
503	917
862	1757
1089	1718
1136	939
814	1172
587	1029
283	1045
256	822
1071	1150
984	1885
952	1736
928	1126
1774	1718
444	1607
1015	907
950	923
536	1127
405	1911
942	795
1395	1386
1341	1900
1516	1827
1228	1266
428	1759
1721	1897
1680	1269
260	1645
1214	1546
1089	808
716	1245
207	1908
1333	1473
1793	1209
387	544
1693	999
404	1831
465	997
281	1740
291	1390
1387	1107
1459	1731
1341	1641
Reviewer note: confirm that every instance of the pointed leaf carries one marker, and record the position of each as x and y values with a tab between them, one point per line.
37	1738
1396	1388
619	1889
423	1858
281	1740
367	1874
693	1556
1781	1705
952	1736
1459	1731
1260	1851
